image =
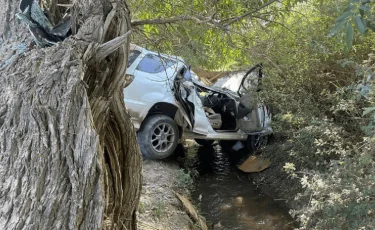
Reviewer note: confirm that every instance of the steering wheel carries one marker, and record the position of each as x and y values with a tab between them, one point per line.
211	100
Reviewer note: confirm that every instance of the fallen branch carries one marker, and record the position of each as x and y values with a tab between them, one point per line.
191	211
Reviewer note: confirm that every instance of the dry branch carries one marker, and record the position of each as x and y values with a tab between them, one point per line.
191	211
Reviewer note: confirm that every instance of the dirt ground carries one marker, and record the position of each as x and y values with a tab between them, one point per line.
159	207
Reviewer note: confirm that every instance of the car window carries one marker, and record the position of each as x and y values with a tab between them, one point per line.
154	64
133	54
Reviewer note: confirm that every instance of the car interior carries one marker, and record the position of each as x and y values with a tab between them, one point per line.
220	109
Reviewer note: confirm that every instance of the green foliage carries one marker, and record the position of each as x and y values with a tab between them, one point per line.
184	180
341	196
158	208
318	94
370	128
214	44
361	14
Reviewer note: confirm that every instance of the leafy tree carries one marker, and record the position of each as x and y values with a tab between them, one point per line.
358	14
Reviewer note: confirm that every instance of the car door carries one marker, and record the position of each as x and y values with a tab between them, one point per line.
251	81
259	118
186	94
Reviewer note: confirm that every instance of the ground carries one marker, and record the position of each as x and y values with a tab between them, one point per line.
159	207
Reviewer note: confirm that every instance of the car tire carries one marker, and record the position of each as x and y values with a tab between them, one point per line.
256	142
158	137
204	142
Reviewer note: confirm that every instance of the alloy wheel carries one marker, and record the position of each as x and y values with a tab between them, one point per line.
162	137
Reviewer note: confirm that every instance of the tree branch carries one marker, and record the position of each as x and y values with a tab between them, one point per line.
271	21
238	18
216	23
199	20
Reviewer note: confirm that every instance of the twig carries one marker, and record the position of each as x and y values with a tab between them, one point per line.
235	19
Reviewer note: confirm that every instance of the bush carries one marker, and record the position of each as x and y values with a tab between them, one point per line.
184	181
334	161
317	93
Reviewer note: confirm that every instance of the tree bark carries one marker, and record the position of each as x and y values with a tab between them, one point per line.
68	152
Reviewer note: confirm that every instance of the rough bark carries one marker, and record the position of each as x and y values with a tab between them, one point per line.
68	152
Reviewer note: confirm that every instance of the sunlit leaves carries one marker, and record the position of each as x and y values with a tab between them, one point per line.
359	13
202	44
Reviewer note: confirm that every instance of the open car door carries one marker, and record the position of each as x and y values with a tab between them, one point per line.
251	81
258	120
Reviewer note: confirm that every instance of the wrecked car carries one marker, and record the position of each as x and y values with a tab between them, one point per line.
167	103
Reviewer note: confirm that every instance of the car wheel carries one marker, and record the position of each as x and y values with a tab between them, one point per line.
256	142
204	142
158	137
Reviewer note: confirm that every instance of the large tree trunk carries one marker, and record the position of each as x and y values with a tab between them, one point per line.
68	152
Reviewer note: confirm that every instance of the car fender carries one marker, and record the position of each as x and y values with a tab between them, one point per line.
181	116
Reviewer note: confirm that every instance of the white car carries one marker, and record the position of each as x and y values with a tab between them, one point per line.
167	103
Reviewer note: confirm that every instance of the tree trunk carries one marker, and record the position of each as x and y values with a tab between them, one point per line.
68	152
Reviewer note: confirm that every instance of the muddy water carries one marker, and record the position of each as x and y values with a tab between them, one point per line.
227	197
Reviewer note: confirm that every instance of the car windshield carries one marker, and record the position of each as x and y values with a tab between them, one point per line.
154	63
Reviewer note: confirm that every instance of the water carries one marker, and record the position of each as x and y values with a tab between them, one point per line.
227	198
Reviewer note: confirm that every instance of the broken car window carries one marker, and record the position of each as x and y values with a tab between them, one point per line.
154	64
